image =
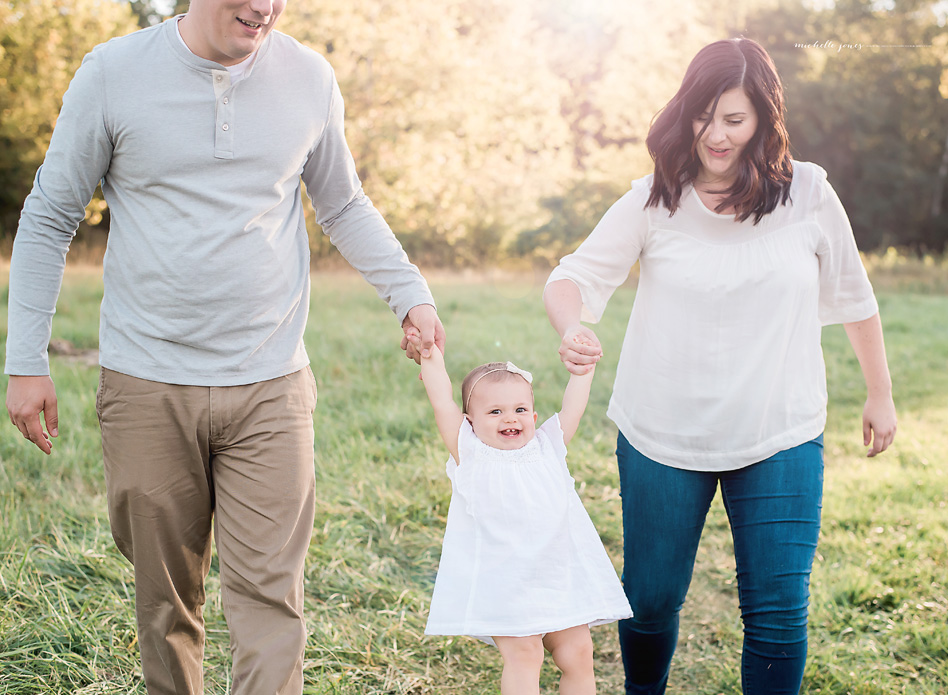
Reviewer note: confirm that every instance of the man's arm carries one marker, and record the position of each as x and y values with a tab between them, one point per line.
77	158
361	234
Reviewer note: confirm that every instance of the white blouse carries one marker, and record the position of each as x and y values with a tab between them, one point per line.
721	365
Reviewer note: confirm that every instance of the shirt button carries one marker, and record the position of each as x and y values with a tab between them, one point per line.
218	77
225	127
226	100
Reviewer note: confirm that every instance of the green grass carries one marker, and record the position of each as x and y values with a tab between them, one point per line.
879	607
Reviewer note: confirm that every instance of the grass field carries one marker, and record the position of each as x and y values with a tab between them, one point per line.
879	607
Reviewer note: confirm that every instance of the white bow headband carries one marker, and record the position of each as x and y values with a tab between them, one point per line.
509	367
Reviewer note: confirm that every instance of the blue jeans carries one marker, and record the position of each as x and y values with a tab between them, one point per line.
774	511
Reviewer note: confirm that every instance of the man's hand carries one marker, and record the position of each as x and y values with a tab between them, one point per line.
424	318
27	397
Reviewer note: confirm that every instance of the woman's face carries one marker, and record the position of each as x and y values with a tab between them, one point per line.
730	128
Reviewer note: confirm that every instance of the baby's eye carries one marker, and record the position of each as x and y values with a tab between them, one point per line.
521	409
495	411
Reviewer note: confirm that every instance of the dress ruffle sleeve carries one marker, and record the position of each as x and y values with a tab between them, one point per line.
459	472
554	432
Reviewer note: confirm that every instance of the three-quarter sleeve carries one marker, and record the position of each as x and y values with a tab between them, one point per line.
845	291
603	261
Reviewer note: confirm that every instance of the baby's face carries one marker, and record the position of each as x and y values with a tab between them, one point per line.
501	413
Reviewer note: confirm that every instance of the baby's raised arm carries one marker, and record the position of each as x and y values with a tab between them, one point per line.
575	398
574	403
448	415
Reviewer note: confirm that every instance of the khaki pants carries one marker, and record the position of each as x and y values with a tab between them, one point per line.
178	457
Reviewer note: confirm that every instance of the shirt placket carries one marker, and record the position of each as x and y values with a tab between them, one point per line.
224	124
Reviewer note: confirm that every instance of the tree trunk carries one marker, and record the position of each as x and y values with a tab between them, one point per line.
940	182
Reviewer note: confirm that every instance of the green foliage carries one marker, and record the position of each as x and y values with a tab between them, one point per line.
467	119
569	216
867	99
879	604
475	123
453	131
149	12
42	43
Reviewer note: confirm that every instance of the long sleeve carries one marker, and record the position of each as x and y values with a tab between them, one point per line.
206	279
353	224
78	157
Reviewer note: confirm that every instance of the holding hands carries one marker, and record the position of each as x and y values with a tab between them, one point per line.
580	350
422	320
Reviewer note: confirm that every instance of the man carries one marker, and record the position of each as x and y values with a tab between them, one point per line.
201	131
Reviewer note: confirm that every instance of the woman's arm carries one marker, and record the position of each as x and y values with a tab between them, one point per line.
579	348
878	415
581	285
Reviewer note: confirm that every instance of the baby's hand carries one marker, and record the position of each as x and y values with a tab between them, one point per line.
414	336
580	339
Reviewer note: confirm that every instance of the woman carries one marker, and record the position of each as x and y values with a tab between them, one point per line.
744	254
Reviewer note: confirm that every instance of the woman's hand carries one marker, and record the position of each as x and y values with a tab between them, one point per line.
878	423
878	416
580	350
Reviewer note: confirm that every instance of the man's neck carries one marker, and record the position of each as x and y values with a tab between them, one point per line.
187	27
181	28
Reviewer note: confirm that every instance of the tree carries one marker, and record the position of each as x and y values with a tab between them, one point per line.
864	101
150	12
487	127
450	117
42	43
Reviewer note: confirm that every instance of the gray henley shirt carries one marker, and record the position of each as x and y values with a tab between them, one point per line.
206	274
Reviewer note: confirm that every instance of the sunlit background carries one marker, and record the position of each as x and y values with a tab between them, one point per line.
493	134
495	130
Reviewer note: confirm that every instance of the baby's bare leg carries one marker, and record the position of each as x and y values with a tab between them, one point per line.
523	658
572	651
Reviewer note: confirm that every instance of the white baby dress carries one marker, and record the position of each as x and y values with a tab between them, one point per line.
520	554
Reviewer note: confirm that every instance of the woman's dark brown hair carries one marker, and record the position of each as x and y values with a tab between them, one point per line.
765	167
